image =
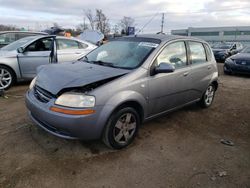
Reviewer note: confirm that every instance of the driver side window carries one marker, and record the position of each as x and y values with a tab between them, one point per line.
40	45
175	54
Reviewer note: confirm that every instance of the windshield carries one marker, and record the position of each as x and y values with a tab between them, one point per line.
125	54
222	46
246	50
15	45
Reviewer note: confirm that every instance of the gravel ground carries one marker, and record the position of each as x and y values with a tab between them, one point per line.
181	149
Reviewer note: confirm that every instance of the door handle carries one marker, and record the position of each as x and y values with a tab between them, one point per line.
185	73
209	67
77	52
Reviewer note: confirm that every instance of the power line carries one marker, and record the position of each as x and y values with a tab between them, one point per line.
147	22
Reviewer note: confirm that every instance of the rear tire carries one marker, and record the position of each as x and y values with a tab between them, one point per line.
208	97
121	128
7	78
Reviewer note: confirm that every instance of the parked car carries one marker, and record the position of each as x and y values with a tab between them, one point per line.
224	50
239	63
20	59
112	90
7	37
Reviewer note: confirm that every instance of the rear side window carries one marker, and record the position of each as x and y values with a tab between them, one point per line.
82	45
175	54
197	53
65	44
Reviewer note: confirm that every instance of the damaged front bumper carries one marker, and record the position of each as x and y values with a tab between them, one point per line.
86	127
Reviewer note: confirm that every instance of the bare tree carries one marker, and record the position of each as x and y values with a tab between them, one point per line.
126	22
8	28
91	18
82	27
102	23
115	29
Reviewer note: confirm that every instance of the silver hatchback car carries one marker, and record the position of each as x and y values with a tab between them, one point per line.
113	89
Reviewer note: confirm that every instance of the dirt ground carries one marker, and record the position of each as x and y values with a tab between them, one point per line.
182	149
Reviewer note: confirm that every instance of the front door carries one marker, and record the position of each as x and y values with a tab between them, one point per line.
170	90
36	54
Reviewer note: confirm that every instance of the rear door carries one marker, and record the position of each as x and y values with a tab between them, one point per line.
201	68
170	90
69	50
36	54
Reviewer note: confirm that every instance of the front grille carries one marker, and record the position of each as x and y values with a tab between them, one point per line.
42	95
242	62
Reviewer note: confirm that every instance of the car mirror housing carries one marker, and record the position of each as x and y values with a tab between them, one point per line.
20	50
164	68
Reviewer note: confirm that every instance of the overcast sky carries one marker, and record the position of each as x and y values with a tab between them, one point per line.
38	14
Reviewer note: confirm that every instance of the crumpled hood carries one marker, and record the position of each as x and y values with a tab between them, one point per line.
55	77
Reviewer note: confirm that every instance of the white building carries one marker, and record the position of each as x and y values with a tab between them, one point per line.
217	34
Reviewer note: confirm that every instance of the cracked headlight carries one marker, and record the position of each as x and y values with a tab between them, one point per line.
75	100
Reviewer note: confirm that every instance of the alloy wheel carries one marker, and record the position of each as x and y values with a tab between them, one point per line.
5	78
124	128
209	95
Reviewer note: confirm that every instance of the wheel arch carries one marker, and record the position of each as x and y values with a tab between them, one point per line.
216	84
133	104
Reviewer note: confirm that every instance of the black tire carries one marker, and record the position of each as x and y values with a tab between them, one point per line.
109	137
226	71
206	101
12	77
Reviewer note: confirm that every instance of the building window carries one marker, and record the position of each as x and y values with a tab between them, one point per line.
181	34
236	33
205	33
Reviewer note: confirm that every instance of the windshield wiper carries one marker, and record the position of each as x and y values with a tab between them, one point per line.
103	63
85	58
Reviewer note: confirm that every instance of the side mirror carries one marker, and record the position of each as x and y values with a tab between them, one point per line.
164	68
20	50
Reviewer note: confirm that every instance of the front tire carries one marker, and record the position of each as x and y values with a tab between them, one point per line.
227	71
208	97
7	78
121	128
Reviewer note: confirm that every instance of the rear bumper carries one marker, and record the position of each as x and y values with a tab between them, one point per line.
86	127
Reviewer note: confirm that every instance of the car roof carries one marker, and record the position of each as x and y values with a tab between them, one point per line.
32	32
166	38
59	37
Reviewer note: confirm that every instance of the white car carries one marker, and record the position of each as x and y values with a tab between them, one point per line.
20	59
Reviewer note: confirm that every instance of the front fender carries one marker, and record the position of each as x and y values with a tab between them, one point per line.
12	64
117	100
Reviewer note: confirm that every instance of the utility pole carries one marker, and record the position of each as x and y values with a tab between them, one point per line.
162	22
84	23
